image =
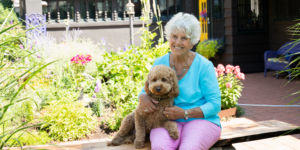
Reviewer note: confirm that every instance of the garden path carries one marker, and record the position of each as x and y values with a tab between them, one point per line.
270	91
257	90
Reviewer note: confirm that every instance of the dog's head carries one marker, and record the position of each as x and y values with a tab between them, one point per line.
162	81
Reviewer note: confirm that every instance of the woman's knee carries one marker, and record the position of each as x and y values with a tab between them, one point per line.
199	134
161	140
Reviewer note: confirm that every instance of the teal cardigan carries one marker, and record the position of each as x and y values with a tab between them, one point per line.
198	88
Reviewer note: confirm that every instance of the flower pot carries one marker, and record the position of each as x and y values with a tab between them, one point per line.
227	112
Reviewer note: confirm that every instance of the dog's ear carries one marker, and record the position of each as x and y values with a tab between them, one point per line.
175	88
146	88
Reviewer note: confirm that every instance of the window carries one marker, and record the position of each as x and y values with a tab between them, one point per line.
168	8
286	10
61	6
251	15
103	10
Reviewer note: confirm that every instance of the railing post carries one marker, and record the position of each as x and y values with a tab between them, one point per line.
49	17
151	14
58	16
115	15
77	16
96	15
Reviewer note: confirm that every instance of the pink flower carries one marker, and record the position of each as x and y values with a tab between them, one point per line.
98	86
220	69
242	76
237	70
229	68
81	59
228	85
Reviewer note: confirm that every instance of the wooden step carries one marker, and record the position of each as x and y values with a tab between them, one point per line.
235	131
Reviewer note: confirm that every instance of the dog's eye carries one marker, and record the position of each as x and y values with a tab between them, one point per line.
154	80
164	80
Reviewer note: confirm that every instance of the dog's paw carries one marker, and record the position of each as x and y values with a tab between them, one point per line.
117	141
174	135
139	144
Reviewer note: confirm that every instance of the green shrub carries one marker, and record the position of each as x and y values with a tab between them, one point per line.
208	48
97	107
32	138
68	120
4	13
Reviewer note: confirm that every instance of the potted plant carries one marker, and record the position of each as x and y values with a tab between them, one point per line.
230	84
208	48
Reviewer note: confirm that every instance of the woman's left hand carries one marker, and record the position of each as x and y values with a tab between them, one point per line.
174	112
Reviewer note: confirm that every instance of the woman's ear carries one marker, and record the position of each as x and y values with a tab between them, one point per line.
175	88
146	88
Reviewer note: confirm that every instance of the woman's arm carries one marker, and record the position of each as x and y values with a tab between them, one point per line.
174	113
211	92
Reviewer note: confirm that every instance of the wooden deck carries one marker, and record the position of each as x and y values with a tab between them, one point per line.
238	130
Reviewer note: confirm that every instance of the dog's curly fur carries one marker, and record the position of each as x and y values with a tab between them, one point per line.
161	83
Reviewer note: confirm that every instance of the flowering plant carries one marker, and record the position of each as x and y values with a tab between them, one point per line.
230	84
203	14
79	61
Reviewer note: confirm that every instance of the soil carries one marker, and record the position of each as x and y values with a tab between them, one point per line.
101	132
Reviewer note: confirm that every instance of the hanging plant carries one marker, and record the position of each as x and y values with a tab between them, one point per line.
203	15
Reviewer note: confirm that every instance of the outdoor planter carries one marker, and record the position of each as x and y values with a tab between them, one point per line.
227	112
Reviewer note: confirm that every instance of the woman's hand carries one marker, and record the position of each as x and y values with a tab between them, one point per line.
146	103
174	113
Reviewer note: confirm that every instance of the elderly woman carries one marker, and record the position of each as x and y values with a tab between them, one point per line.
197	106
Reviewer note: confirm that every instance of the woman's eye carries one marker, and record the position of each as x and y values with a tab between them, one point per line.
164	80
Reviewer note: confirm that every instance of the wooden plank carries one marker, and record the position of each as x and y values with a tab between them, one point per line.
254	131
231	133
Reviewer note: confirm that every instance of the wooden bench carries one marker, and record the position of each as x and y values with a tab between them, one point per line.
233	132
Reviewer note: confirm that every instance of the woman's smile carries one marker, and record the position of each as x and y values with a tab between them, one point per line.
180	44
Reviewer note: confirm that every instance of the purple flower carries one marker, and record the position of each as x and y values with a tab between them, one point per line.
94	96
103	41
98	86
125	47
21	46
11	22
38	56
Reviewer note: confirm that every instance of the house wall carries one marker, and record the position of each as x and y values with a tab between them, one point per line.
277	29
243	49
115	33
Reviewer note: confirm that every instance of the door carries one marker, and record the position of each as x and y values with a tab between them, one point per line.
203	20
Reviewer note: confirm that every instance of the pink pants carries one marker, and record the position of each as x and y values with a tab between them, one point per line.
193	135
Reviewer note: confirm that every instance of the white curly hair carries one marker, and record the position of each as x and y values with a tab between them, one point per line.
185	22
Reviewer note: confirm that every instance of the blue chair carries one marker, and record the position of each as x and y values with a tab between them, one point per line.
282	63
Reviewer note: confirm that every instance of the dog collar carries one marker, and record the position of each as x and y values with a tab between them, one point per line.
159	99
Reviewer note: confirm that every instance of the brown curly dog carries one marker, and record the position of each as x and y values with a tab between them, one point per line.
162	85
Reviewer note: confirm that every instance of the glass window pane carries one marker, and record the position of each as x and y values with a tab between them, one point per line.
52	9
250	15
163	7
82	9
62	4
121	8
137	7
71	10
91	8
179	6
171	7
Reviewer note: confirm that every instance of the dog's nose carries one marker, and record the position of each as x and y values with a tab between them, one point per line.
157	89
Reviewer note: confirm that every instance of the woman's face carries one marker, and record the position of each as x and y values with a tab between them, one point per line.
180	44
